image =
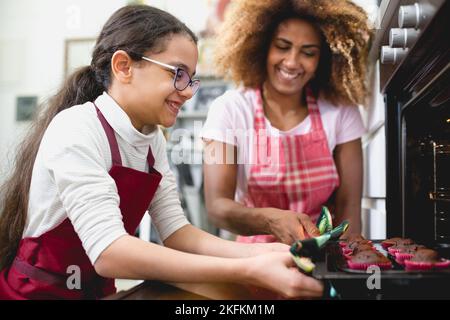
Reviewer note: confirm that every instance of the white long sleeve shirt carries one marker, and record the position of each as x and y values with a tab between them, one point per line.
70	177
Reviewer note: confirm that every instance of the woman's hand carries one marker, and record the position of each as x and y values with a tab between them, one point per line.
288	226
277	272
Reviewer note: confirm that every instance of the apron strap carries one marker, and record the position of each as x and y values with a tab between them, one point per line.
115	153
313	109
33	272
36	273
150	158
259	119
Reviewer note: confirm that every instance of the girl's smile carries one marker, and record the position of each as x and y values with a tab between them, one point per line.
174	106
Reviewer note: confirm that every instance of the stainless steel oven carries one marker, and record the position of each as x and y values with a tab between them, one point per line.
413	46
417	96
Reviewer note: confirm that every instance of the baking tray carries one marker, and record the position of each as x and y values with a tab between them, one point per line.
395	283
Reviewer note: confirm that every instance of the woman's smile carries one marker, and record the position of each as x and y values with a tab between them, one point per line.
285	74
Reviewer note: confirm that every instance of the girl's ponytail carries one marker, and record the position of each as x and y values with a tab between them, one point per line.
79	88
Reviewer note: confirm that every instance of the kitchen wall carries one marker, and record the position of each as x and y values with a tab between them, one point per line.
32	35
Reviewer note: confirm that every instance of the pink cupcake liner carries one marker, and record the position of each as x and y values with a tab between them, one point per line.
442	265
347	251
421	266
386	245
400	257
417	265
342	244
364	266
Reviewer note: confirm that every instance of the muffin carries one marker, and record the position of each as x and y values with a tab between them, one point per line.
348	248
407	252
425	259
395	241
362	247
364	259
350	238
426	255
412	248
355	243
357	249
398	248
389	242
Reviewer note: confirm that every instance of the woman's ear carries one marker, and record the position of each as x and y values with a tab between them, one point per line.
121	66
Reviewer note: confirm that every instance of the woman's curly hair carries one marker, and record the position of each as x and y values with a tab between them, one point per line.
245	36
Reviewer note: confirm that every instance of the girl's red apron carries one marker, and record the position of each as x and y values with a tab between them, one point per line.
41	267
295	173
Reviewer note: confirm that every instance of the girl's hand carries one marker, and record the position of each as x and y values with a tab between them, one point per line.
255	249
288	226
277	272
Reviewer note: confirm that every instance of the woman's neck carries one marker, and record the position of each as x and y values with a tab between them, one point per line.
283	111
281	103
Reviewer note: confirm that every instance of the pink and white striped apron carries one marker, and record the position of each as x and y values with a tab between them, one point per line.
295	172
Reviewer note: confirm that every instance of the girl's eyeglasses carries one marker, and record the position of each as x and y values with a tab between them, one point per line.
181	79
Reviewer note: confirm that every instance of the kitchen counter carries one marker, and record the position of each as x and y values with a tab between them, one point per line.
156	290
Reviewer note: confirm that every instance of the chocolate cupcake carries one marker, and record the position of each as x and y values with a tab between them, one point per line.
412	248
348	248
359	248
362	247
395	241
407	252
355	243
425	259
369	257
362	260
344	243
426	255
399	248
390	242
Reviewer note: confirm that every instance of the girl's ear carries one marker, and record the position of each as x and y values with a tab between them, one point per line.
121	66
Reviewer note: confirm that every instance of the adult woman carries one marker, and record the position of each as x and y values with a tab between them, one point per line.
96	161
292	131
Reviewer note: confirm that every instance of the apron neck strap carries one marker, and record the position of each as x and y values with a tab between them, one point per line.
114	146
313	110
150	158
115	153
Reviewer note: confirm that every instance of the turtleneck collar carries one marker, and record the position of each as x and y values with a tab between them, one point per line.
121	123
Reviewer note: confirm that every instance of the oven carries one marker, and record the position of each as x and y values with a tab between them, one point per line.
412	44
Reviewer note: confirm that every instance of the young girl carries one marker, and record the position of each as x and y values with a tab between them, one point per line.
96	161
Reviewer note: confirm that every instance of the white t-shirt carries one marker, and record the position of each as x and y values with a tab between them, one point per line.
231	118
70	177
